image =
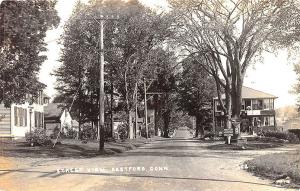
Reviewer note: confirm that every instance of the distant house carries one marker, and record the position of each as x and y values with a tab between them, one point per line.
257	111
57	116
18	119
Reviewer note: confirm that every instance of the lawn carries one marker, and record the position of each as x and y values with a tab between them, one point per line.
69	148
277	166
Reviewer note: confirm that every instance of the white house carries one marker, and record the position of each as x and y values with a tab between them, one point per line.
18	119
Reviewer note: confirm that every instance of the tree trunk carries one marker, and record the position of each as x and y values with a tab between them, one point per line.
79	125
156	106
166	126
199	126
130	125
111	109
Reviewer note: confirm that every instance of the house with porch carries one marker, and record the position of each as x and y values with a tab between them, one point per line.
257	112
18	119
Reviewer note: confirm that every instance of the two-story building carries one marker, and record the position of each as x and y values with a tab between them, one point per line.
18	119
257	111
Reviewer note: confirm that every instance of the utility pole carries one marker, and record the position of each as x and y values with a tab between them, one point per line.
101	80
146	115
136	112
101	91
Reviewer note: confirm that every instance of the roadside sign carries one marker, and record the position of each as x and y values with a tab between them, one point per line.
228	132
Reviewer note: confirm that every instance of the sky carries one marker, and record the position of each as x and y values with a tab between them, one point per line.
275	75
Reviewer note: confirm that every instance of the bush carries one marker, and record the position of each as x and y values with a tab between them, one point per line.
295	131
88	133
122	130
54	132
38	137
71	133
151	132
291	137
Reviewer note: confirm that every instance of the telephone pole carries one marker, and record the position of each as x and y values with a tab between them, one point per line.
101	91
146	114
101	79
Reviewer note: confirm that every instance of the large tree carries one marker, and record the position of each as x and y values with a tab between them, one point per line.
23	27
128	42
229	35
195	93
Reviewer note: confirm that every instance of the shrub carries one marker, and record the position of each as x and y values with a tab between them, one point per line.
295	131
71	133
54	132
291	137
88	133
151	132
122	130
209	135
38	137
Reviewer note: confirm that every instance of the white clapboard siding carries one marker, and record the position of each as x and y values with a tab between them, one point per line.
5	128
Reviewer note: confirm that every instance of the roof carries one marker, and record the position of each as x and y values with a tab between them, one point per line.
46	96
249	93
53	110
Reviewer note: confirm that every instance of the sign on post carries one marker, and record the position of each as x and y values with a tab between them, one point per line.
228	132
236	125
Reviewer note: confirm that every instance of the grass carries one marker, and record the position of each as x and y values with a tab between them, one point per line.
250	145
277	166
68	148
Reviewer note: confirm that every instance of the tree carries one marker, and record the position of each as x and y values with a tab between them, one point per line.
229	35
163	71
76	78
141	31
127	41
23	27
195	93
297	85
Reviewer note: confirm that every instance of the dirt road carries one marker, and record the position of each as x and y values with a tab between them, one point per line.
180	163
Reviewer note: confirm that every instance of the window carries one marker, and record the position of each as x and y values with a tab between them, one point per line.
266	120
218	106
248	104
272	121
16	115
257	104
38	119
20	116
271	103
266	104
269	121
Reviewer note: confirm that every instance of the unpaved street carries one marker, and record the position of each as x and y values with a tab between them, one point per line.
180	163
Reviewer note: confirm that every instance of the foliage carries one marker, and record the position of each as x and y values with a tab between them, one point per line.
38	137
195	93
164	69
71	133
225	37
88	133
151	131
23	27
123	131
128	43
55	132
291	137
295	131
